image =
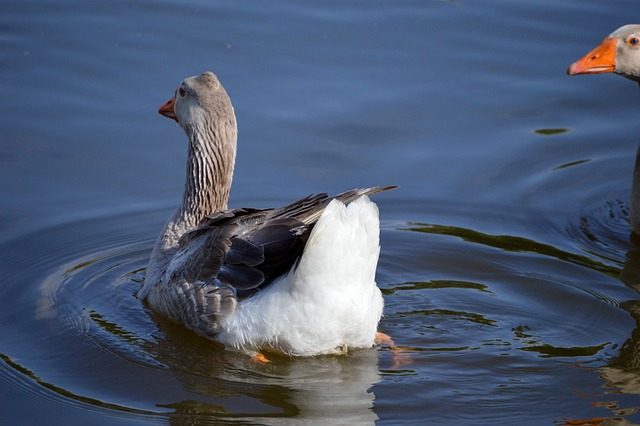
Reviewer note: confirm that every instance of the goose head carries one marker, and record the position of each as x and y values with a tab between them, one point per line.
618	53
200	104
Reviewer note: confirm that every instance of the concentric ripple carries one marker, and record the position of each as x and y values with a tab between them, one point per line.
79	337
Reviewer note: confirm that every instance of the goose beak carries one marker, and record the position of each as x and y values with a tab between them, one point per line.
599	60
167	109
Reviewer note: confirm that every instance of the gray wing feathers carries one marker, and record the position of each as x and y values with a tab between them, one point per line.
220	303
201	306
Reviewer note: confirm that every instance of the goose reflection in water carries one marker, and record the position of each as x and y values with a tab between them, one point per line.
316	389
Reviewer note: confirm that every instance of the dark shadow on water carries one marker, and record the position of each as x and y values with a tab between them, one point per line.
623	373
66	394
514	244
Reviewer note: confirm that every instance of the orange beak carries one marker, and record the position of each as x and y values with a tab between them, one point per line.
599	60
167	109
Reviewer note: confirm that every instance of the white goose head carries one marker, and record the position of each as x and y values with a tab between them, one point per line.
618	53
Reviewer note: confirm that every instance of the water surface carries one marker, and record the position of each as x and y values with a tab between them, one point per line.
507	267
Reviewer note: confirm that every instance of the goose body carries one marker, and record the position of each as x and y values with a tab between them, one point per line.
618	53
298	279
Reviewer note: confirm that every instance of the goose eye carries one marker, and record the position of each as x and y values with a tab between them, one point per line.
633	41
182	92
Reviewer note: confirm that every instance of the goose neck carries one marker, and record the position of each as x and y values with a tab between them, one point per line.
210	165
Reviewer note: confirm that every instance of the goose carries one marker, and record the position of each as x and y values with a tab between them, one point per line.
298	280
618	53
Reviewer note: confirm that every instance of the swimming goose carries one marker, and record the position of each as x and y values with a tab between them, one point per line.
298	279
618	53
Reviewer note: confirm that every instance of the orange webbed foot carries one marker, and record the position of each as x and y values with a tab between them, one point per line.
384	339
399	357
259	358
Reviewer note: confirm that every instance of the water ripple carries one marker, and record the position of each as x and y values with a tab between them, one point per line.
82	339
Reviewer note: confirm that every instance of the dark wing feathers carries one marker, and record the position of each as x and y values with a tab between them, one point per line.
241	277
235	253
243	248
243	252
247	248
282	241
309	209
301	207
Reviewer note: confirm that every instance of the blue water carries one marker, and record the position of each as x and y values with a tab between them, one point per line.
507	267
